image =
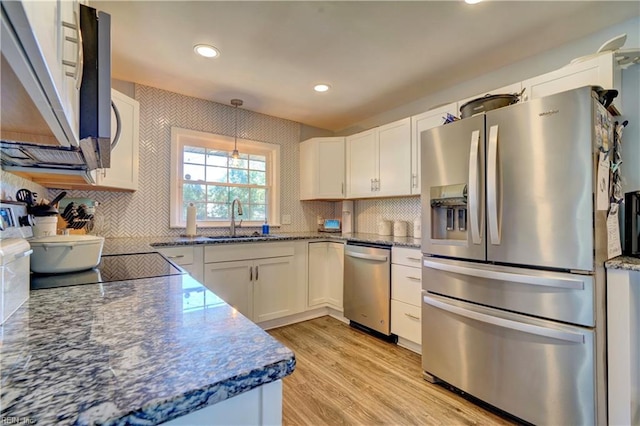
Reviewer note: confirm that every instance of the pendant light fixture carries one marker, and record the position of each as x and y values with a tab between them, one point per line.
235	154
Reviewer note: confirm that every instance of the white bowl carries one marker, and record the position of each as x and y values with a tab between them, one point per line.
65	253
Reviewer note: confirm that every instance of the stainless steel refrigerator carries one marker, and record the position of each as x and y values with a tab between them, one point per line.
513	279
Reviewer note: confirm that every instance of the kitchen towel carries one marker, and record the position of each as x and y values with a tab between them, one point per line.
191	220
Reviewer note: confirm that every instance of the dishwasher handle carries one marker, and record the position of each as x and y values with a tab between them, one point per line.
367	256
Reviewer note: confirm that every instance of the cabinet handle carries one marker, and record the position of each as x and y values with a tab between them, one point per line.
414	258
79	63
377	184
177	256
412	316
250	273
371	185
414	278
257	272
342	188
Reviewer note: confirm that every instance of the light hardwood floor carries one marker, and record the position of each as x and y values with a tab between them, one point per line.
346	377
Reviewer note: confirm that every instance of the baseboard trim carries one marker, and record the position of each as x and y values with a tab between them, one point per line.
408	344
292	319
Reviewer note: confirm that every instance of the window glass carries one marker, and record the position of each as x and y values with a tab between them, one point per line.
212	179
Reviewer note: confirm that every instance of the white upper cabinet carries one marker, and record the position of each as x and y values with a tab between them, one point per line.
379	160
41	45
123	172
602	70
361	163
394	158
322	169
420	123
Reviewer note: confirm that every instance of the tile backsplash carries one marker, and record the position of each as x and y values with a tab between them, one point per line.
145	212
10	184
369	212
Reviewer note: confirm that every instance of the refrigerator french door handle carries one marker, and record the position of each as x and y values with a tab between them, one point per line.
492	186
474	187
555	282
537	330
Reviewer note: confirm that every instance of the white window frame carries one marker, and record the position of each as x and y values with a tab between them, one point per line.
181	137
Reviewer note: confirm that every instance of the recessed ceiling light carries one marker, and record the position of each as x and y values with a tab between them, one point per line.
472	1
321	87
206	50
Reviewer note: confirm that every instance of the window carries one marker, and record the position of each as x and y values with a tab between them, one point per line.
204	173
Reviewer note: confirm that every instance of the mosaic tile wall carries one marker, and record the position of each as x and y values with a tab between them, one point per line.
369	212
10	184
146	211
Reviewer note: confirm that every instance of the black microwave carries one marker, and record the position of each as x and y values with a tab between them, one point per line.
632	224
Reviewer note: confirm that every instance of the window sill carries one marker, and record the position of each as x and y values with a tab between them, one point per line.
252	224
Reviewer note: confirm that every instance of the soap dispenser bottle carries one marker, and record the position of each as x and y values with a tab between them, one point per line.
265	227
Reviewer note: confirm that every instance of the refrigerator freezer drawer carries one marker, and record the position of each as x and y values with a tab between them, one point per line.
537	370
553	295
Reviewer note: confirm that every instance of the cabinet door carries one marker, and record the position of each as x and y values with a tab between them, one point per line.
123	173
317	274
322	168
601	71
331	168
420	123
231	281
361	164
273	287
335	274
394	159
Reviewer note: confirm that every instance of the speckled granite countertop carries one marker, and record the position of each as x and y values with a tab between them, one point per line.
147	244
623	262
130	352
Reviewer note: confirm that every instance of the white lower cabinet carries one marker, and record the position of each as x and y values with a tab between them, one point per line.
406	290
274	286
325	277
262	281
189	258
233	283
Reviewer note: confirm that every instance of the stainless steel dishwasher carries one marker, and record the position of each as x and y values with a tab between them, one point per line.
367	286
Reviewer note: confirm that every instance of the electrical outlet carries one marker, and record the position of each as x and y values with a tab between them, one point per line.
286	219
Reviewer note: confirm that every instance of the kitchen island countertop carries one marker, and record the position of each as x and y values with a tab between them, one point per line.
143	352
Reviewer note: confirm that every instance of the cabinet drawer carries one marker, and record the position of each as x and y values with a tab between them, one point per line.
406	256
406	321
406	284
244	251
178	255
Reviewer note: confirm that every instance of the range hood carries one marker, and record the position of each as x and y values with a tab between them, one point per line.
34	133
93	153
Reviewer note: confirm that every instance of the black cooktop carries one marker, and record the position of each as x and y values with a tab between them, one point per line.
121	267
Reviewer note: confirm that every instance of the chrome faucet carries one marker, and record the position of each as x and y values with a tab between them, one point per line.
233	216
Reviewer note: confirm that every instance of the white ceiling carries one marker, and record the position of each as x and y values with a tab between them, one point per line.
376	55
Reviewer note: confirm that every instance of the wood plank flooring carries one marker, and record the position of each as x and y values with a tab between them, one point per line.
346	377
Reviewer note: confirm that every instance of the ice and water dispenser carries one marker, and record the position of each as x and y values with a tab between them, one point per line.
449	212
